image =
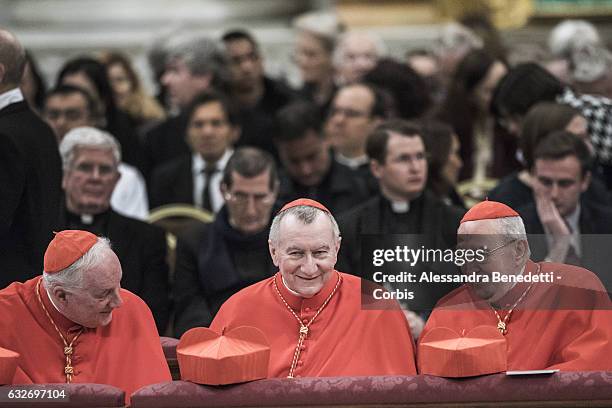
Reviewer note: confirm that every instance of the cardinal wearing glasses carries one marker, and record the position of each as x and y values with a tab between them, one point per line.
521	315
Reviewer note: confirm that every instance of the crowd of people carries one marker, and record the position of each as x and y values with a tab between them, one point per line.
296	179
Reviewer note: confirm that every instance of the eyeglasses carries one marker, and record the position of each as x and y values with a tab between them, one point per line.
90	168
242	199
486	255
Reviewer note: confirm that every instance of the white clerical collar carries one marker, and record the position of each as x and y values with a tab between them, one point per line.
352	162
289	289
9	97
400	207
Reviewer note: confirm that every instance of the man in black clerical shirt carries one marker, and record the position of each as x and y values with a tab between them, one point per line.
216	260
90	160
398	161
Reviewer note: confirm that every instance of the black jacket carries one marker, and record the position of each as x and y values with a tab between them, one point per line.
340	190
595	225
434	222
163	143
200	287
172	183
30	191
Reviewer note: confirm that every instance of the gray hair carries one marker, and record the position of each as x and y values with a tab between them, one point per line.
514	227
456	36
511	226
339	53
306	214
12	56
72	276
566	35
87	137
589	62
323	25
200	53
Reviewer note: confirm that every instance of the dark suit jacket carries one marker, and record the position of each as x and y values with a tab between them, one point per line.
258	122
595	228
197	302
141	249
30	186
438	226
164	142
172	183
516	194
340	190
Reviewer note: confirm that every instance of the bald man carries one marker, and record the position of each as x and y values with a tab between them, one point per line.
30	173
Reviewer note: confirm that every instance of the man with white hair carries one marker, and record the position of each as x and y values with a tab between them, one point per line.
357	54
310	313
30	173
67	107
91	158
75	324
551	316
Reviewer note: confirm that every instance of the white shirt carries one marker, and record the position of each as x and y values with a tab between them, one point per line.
199	180
10	97
130	195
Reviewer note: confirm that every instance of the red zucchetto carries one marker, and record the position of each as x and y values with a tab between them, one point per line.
66	248
307	202
488	210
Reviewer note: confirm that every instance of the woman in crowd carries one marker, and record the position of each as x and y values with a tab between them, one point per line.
313	54
443	161
486	152
128	92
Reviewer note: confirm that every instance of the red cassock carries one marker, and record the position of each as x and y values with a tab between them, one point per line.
344	339
564	325
126	353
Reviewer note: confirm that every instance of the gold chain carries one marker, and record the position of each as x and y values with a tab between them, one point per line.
68	348
303	327
502	325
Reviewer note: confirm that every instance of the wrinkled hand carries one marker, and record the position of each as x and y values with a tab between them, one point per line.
415	322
